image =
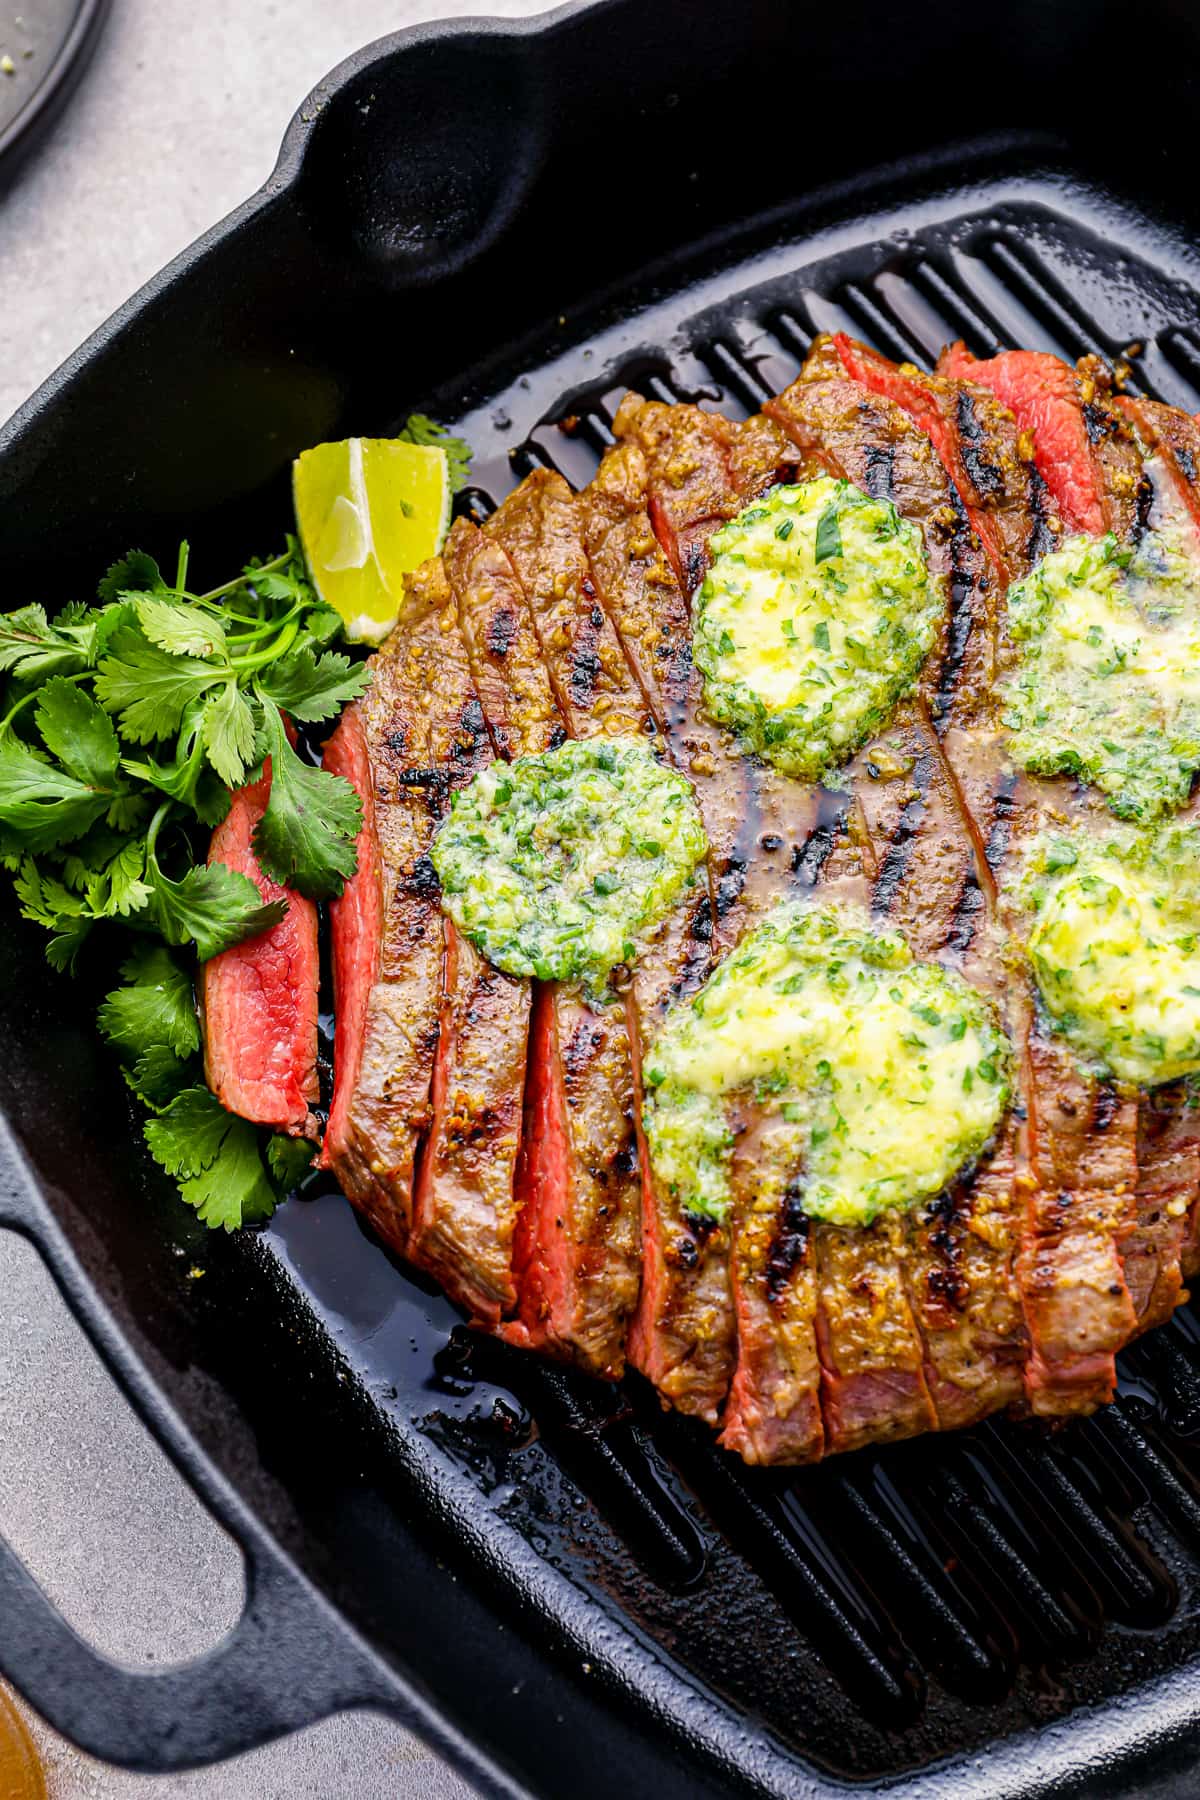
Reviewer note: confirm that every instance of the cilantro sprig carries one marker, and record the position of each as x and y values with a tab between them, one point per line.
126	724
123	727
217	1159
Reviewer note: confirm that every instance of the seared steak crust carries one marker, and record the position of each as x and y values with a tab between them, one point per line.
417	729
536	1203
578	1245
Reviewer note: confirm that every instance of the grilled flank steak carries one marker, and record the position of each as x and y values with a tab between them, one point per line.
493	1127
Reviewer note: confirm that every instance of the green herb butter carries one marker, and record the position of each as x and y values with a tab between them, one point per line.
814	619
893	1073
1115	947
1108	682
554	864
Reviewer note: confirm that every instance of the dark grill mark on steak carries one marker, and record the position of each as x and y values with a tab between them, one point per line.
894	863
421	881
961	619
585	669
501	631
586	1042
558	737
434	782
1105	1106
1000	835
700	925
730	883
880	460
474	737
1041	539
790	1245
968	912
1098	423
986	477
809	858
1143	507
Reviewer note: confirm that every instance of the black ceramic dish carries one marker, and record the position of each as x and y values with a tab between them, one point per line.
50	44
566	1592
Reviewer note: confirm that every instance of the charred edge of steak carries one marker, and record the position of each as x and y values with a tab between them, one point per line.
1143	507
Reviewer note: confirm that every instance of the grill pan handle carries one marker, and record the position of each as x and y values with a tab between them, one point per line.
290	1659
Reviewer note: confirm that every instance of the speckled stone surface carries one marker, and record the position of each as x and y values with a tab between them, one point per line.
178	120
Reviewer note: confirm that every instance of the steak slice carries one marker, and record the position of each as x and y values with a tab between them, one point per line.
1175	437
690	489
577	1254
1080	444
677	474
258	1000
948	1264
977	442
869	440
397	746
466	1207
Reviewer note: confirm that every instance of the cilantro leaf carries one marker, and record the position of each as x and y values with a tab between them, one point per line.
31	647
215	1159
313	688
423	430
229	734
148	688
158	1075
210	904
48	903
43	804
118	889
154	1010
289	1158
305	838
188	778
78	732
136	573
180	628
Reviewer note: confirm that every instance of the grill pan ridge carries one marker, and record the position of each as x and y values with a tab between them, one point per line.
513	1559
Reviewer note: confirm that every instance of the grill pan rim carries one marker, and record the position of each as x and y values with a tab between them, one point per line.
1157	1728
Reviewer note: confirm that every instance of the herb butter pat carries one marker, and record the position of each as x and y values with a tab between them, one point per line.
814	619
1115	948
892	1072
1108	682
554	865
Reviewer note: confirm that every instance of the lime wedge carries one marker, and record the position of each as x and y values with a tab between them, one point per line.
368	511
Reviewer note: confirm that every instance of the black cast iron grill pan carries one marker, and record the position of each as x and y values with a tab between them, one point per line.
506	224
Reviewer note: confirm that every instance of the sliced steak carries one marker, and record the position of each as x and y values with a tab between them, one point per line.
466	1206
259	999
578	1242
1080	444
869	440
926	861
1175	437
690	489
675	477
977	441
396	746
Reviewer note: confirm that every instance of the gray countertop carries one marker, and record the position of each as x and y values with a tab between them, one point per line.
178	119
